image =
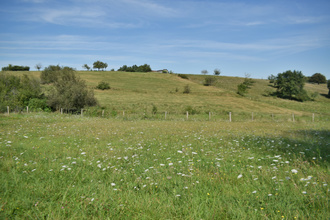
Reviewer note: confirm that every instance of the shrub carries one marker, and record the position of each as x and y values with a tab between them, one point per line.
183	76
209	81
154	109
70	92
103	85
190	110
186	89
317	78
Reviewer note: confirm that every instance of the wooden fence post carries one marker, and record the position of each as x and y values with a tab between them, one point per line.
229	116
27	109
61	111
82	111
8	110
187	115
102	113
123	113
293	117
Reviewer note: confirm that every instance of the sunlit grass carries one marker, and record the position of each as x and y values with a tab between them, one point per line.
60	166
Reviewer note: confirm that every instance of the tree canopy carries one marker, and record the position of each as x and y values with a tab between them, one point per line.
317	78
100	65
143	68
290	84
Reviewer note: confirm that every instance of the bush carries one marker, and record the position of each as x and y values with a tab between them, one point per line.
190	110
209	81
70	92
38	104
17	91
154	109
186	89
183	76
103	85
317	78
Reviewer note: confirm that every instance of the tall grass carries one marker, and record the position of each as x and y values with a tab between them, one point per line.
68	167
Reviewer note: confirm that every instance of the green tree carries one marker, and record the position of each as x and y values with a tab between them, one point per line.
204	72
70	92
217	72
245	85
98	65
85	66
38	66
328	88
317	78
290	84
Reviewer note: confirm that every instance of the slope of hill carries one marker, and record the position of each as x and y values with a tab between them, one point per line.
139	92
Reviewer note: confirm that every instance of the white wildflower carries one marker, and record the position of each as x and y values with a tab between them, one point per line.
239	176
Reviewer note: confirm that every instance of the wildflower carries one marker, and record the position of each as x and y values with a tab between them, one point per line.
162	165
194	153
178	195
304	192
113	184
179	151
83	153
170	164
294	171
255	191
33	170
239	176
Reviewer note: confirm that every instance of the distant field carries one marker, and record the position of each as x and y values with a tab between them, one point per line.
56	166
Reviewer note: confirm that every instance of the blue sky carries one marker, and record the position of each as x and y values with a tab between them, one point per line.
256	37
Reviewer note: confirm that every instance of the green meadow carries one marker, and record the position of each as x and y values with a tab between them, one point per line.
139	165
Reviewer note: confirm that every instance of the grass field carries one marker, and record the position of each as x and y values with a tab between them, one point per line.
68	167
141	166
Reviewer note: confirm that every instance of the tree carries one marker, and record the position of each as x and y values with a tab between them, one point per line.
329	88
290	84
70	92
98	65
204	72
38	66
217	72
105	65
317	78
85	66
245	85
271	78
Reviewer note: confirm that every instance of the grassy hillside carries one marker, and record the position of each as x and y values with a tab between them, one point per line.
139	92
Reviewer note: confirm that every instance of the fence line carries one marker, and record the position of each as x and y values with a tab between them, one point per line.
238	116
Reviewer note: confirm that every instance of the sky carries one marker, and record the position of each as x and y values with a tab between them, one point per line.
254	37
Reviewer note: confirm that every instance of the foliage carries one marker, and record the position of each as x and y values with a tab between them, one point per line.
317	78
245	85
328	85
186	89
290	84
38	66
15	68
204	72
38	104
51	73
85	66
154	109
183	76
103	85
190	110
143	68
99	65
217	72
272	78
16	92
209	81
70	92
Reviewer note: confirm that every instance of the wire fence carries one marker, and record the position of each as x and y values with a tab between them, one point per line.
174	116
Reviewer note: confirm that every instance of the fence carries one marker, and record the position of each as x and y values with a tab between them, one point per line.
224	116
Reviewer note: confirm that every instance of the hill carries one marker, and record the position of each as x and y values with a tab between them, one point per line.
139	92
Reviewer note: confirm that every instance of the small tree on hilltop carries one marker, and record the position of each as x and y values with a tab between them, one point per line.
85	66
38	66
204	72
317	78
217	72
